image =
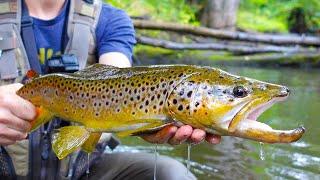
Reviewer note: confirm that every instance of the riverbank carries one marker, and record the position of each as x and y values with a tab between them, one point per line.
151	55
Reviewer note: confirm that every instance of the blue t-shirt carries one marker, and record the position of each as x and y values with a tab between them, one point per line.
114	33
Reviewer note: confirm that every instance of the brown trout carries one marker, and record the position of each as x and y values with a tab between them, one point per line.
138	100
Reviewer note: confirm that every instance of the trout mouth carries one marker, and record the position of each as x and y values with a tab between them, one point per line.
245	124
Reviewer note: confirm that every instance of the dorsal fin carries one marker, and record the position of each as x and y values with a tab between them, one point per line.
30	75
97	70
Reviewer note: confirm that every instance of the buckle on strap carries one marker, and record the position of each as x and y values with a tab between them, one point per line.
1	39
26	21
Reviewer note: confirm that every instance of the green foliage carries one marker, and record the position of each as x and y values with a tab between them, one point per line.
272	15
165	10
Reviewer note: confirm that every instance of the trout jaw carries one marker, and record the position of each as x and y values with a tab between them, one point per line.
245	124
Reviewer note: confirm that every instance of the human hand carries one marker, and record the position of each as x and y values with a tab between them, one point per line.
177	135
15	115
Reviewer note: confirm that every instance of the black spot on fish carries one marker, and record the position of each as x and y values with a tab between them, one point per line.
189	94
125	101
131	99
158	96
138	97
174	101
107	103
181	92
204	87
180	75
147	103
165	92
152	88
152	98
180	108
197	104
146	110
161	103
141	106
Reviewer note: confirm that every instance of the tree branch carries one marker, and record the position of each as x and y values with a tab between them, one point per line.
218	46
289	39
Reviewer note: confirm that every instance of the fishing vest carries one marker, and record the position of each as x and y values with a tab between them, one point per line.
25	158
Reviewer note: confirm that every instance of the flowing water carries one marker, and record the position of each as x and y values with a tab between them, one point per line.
237	158
155	162
188	157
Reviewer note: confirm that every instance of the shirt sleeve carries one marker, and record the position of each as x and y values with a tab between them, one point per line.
115	32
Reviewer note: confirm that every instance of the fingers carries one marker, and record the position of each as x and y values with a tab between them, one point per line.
18	106
175	136
161	136
13	122
15	115
213	139
8	134
197	136
182	134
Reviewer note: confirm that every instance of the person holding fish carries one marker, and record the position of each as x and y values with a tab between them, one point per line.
64	36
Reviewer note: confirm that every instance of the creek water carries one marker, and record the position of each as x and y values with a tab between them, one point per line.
238	158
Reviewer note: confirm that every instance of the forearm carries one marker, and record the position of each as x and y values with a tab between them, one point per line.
115	59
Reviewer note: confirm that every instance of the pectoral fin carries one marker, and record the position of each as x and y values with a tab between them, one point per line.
68	139
43	116
90	144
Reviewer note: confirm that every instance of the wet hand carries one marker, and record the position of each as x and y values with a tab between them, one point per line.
15	115
177	135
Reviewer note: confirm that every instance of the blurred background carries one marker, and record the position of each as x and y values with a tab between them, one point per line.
270	40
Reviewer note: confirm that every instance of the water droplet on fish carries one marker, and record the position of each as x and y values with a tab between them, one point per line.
188	159
88	165
262	154
155	162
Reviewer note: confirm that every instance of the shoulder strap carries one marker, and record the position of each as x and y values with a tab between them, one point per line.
29	40
13	59
83	19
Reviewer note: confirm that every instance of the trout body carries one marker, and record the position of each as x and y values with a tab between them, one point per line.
141	99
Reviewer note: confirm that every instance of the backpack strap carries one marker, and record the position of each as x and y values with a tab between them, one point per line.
13	58
83	19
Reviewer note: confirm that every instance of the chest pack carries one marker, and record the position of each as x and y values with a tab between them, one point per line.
16	58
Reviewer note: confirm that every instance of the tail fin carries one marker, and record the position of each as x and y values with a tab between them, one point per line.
43	116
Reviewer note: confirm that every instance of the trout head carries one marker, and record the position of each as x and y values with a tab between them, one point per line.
229	105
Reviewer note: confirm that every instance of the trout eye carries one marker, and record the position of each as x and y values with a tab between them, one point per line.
240	91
